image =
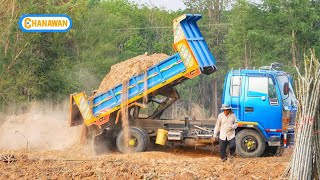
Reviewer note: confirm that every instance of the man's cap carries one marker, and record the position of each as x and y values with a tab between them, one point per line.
225	106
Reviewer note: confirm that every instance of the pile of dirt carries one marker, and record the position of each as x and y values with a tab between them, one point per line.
124	70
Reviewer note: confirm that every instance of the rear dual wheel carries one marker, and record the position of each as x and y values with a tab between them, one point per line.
132	140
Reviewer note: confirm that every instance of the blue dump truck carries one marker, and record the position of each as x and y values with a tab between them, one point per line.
263	101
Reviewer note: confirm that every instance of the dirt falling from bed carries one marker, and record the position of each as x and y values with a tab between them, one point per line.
124	115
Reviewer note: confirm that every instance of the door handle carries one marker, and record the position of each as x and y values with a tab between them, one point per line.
248	109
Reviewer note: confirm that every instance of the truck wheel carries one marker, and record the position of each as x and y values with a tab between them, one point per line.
249	143
147	138
136	141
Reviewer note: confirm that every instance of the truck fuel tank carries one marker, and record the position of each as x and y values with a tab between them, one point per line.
175	135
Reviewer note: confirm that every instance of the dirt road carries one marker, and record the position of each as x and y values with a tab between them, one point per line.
171	163
53	155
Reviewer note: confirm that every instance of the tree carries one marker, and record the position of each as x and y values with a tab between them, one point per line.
272	31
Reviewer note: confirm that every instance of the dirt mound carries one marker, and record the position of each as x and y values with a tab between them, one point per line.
124	70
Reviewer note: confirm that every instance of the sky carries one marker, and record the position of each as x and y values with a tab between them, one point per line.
171	4
166	4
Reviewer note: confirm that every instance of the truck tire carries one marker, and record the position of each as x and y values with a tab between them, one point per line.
147	138
249	143
137	141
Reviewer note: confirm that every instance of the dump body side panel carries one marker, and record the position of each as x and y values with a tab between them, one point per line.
153	79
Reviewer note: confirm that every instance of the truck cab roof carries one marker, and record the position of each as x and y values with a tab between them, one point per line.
244	72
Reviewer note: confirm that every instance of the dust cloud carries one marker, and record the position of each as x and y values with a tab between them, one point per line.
42	126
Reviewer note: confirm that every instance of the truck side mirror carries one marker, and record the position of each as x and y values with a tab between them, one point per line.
286	88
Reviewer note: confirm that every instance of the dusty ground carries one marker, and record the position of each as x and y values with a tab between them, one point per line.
170	163
52	155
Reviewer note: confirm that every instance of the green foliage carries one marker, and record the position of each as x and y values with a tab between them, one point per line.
261	34
53	65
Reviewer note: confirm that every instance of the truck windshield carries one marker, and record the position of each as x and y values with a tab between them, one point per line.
289	99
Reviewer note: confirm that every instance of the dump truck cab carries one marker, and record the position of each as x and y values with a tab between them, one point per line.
265	105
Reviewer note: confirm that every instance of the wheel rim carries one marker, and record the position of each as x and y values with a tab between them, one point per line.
249	144
132	143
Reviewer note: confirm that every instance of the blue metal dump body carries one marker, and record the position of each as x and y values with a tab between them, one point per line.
155	75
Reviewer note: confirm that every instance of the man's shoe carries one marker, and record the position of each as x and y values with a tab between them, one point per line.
224	159
231	157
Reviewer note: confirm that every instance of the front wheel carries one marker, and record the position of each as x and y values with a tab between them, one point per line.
249	143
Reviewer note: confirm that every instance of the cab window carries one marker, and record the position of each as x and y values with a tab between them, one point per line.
258	86
273	98
235	88
263	86
271	89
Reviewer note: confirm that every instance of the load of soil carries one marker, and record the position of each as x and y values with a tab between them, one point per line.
125	70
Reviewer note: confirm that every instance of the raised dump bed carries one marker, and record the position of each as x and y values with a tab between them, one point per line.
192	58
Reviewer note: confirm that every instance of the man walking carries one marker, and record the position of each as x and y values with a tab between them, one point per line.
226	125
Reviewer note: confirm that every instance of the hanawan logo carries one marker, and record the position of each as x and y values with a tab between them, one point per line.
45	23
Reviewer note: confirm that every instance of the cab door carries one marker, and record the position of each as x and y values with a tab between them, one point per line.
261	101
